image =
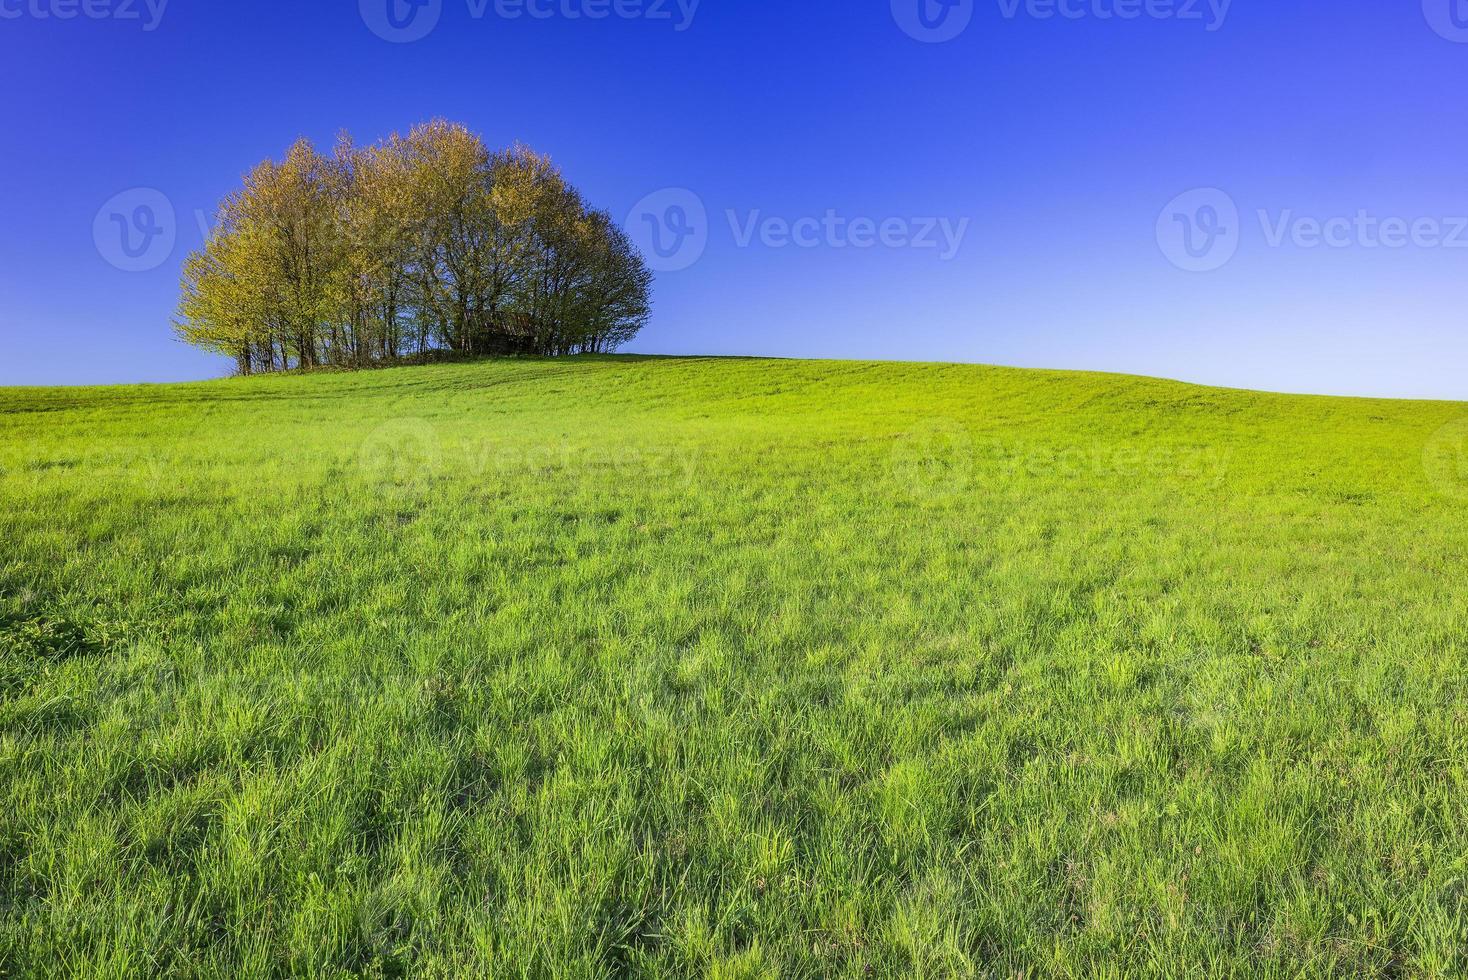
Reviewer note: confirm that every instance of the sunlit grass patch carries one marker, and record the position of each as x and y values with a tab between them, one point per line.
738	668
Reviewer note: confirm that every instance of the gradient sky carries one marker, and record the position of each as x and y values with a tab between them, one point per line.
1067	142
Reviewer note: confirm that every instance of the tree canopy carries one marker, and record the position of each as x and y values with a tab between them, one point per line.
420	244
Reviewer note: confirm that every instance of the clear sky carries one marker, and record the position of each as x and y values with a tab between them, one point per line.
1257	193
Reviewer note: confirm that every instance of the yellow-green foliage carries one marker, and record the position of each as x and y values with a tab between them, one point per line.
422	243
675	667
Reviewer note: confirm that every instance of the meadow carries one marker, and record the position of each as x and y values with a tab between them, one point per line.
660	667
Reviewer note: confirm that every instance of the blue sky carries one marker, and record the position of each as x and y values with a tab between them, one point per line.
1256	193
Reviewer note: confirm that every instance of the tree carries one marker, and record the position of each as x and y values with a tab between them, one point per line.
425	243
378	232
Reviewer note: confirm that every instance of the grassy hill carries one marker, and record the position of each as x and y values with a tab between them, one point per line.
738	668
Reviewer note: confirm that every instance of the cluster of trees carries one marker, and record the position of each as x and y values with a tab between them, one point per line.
420	244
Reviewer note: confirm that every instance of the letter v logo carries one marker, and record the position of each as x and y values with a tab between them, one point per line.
401	21
933	21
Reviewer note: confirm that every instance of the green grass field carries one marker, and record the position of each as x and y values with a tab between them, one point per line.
731	668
